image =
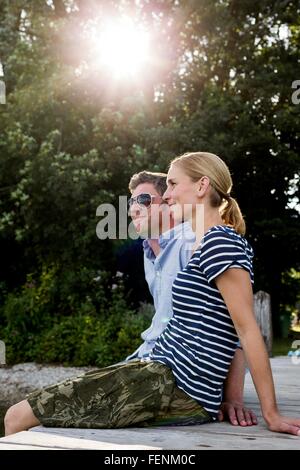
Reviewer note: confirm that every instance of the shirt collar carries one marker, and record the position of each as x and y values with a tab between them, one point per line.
167	236
148	250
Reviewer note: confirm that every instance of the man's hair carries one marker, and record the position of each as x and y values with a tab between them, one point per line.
159	181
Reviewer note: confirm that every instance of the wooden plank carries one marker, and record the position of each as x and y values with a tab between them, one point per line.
211	436
175	440
65	441
194	437
21	447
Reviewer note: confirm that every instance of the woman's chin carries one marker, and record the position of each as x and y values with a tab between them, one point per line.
177	213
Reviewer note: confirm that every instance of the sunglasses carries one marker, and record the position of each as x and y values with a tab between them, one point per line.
143	199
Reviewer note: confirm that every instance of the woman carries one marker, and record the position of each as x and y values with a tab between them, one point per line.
181	382
218	278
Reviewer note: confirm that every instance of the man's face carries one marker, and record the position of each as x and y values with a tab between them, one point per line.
149	221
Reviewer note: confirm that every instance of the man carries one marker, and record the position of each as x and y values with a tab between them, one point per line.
167	249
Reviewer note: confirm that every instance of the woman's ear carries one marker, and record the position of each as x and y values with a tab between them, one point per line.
203	185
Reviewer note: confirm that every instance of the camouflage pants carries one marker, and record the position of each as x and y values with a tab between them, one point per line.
133	394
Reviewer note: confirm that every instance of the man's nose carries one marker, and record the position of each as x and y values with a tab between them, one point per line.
134	210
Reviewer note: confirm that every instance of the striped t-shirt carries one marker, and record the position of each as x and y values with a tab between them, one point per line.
200	340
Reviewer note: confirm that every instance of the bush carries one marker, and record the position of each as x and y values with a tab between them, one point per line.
74	318
120	335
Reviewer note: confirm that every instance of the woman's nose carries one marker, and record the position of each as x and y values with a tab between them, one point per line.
166	195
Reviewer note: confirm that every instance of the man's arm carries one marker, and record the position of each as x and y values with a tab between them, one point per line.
232	406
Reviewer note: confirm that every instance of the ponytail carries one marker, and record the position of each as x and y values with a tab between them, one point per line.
231	215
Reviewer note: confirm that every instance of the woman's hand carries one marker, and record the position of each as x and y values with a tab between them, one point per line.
279	423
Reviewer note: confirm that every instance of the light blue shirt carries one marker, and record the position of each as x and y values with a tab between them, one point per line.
160	271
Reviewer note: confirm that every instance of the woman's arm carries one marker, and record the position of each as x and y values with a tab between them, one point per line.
236	290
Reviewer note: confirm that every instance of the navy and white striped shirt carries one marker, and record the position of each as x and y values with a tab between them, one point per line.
200	340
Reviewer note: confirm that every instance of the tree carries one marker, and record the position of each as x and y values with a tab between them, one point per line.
71	135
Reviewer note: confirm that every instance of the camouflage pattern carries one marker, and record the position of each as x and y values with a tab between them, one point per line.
132	394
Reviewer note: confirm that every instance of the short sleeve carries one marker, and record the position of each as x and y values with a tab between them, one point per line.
221	251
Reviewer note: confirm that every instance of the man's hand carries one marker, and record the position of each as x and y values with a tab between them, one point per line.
237	414
232	408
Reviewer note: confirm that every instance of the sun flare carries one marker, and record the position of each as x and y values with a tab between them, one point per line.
123	48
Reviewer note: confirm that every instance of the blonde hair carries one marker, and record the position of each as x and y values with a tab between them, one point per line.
199	164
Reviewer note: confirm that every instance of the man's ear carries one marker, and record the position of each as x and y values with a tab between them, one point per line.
203	185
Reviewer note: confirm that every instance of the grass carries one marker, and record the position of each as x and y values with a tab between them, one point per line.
281	346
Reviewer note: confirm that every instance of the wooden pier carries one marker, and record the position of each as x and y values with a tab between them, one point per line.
205	437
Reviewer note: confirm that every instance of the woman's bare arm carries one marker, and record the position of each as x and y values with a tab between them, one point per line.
236	290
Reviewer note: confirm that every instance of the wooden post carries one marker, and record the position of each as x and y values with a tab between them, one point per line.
262	309
2	353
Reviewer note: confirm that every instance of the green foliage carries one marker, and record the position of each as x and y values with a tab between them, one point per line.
290	285
57	320
71	137
122	329
282	346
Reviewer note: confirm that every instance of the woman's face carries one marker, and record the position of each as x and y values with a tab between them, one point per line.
182	194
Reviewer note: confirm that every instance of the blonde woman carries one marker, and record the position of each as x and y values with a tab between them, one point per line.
212	296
